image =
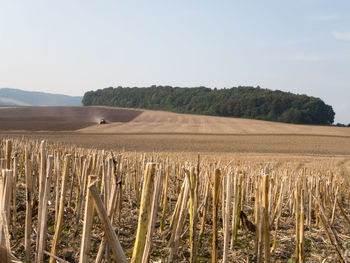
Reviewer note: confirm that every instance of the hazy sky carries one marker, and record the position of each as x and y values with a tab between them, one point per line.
72	46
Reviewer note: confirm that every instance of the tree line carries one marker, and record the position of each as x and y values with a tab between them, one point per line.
241	102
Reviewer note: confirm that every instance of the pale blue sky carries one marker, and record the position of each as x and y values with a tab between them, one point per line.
71	46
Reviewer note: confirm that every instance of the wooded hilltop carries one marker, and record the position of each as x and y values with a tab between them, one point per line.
240	102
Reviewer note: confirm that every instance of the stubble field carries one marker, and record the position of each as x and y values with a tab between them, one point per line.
313	158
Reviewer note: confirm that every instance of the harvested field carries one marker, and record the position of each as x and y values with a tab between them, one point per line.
130	121
198	205
60	118
204	144
170	123
297	162
158	131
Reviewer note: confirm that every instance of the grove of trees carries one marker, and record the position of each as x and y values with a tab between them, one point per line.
241	102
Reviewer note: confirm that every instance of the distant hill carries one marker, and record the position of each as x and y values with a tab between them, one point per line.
241	102
17	97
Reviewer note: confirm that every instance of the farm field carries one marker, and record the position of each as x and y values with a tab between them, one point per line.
117	141
153	131
134	121
204	144
59	118
291	182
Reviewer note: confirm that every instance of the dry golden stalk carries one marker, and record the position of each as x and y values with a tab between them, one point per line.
279	208
5	203
29	197
273	200
78	184
5	194
137	183
310	202
193	217
153	215
257	214
266	218
8	154
61	207
242	194
14	191
297	218
165	197
88	217
41	189
5	249
94	164
334	205
120	185
205	209
144	216
81	192
260	239
57	189
112	238
176	235
238	208
175	216
178	176
111	210
222	196
43	224
214	254
227	217
324	194
317	194
74	178
301	255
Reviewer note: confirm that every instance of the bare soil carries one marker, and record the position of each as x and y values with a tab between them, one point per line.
60	118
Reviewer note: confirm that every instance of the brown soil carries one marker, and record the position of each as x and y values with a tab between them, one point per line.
60	118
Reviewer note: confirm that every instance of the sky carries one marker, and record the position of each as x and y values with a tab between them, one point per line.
70	47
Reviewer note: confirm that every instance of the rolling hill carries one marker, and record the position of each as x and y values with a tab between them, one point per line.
17	97
153	122
148	130
137	121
